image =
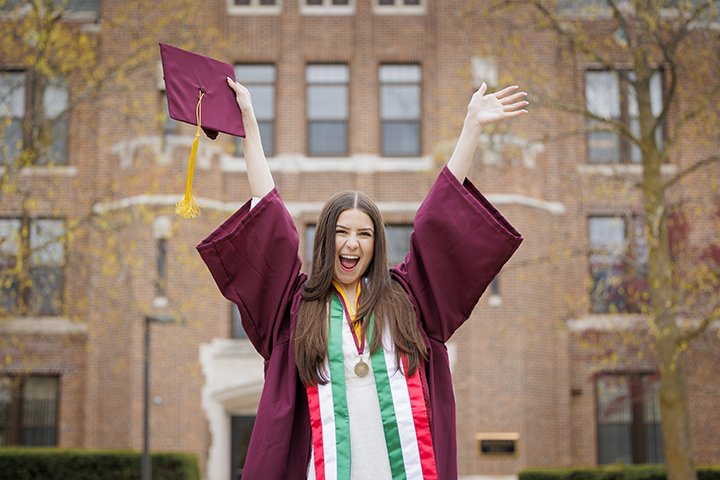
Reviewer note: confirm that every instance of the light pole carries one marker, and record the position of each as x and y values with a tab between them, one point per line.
146	475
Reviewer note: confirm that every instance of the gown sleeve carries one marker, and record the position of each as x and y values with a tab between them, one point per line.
459	244
253	258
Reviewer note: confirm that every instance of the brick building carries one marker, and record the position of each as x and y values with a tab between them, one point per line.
353	94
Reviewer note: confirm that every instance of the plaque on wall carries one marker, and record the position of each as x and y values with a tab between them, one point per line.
497	444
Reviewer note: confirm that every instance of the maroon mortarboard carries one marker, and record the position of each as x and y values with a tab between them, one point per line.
197	93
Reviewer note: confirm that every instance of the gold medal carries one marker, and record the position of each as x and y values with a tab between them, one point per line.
361	368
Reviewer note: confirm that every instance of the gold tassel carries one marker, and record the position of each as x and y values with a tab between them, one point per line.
188	207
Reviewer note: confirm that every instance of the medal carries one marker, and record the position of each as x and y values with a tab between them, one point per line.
361	368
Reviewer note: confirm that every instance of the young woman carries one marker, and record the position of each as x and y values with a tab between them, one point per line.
357	378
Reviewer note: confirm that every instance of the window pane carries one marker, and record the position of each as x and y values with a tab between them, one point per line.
313	2
267	132
6	397
47	242
401	138
240	431
602	94
603	147
242	2
398	242
10	139
386	2
39	411
267	2
12	110
255	74
327	102
55	99
614	419
309	243
635	152
263	98
400	102
607	246
46	290
651	417
236	330
327	74
340	2
12	94
9	238
400	73
328	138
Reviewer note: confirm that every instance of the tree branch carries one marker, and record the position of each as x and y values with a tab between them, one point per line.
692	168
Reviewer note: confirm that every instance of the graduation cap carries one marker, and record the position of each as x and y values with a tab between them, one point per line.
197	93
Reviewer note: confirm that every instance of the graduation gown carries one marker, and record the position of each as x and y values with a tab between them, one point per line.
460	242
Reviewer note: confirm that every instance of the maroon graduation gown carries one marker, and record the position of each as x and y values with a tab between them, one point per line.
460	242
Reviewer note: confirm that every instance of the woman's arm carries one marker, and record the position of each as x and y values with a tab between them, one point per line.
483	110
259	176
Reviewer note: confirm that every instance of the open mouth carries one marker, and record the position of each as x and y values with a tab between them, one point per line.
348	262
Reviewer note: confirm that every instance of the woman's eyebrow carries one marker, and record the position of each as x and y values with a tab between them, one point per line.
368	229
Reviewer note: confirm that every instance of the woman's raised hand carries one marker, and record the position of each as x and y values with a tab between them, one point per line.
506	103
242	95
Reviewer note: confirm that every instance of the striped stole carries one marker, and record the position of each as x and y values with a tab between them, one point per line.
402	408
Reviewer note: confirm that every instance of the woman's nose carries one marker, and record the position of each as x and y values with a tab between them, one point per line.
352	241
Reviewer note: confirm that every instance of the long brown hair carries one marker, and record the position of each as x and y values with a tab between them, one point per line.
380	295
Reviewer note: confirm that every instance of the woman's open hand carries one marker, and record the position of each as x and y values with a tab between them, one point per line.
492	107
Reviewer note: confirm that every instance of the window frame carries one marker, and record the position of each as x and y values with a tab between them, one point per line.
255	8
309	121
15	424
327	8
26	294
638	422
399	8
30	82
382	122
635	305
626	147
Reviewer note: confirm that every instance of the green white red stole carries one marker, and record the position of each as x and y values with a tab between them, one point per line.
402	408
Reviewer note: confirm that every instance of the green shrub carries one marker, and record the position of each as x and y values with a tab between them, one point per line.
611	472
64	464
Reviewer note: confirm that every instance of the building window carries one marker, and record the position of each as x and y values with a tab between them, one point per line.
254	7
29	411
399	7
33	118
327	7
398	242
309	239
241	427
327	109
260	81
618	264
236	327
610	95
32	257
400	109
161	283
628	418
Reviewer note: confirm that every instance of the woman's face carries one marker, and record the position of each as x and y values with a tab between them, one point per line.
354	247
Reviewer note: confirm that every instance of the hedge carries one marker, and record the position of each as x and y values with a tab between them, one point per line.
611	472
70	464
